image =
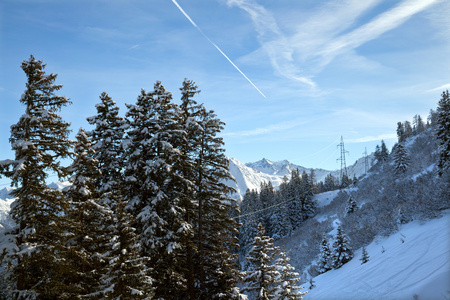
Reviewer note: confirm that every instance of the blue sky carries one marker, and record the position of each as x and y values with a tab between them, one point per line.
326	68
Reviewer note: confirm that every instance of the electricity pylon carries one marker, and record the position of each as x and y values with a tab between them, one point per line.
343	164
366	161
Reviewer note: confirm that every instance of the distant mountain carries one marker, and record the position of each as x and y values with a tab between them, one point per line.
251	175
284	168
5	201
5	193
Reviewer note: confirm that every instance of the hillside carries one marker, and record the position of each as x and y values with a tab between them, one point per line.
415	264
402	220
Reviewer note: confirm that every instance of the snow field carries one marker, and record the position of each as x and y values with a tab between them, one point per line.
415	263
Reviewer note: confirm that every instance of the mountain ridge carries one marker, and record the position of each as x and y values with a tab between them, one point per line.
251	175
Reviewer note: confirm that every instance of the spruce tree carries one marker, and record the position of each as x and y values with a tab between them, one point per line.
279	219
432	118
365	256
342	253
350	205
88	231
330	183
260	280
418	124
408	129
377	153
106	140
40	141
323	264
249	222
153	183
400	132
128	275
401	159
294	194
384	152
443	132
267	199
287	288
308	206
215	230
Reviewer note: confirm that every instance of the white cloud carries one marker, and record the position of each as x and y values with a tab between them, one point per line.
324	35
373	29
266	130
441	88
370	138
274	43
134	47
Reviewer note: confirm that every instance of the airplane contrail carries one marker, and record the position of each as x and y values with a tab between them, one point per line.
198	28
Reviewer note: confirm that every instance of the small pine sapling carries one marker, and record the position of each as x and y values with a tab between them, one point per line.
351	206
365	256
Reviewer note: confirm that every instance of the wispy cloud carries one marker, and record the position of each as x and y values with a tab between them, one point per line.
266	130
229	60
440	88
382	23
134	47
324	35
370	138
275	44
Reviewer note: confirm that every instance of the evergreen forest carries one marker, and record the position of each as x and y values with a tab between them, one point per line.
148	213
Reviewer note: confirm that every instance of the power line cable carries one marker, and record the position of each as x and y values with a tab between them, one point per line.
320	151
264	209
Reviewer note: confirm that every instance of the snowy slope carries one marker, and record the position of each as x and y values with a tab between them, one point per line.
5	203
416	261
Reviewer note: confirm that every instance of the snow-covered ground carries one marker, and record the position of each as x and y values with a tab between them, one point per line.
325	198
413	263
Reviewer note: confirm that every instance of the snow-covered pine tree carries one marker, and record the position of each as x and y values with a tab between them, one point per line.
128	275
262	276
323	264
287	288
400	132
215	230
377	153
152	187
307	197
330	183
88	232
106	140
384	152
267	199
279	219
350	205
408	129
249	223
40	141
432	118
342	253
401	159
418	125
294	196
381	153
313	179
443	132
364	256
